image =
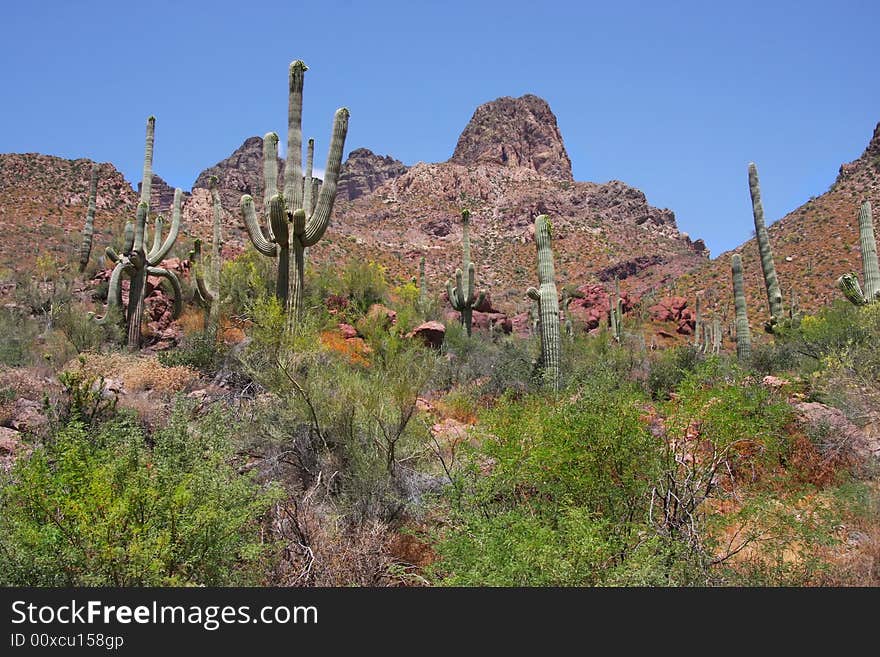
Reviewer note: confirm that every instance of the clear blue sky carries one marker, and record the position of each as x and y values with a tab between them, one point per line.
672	97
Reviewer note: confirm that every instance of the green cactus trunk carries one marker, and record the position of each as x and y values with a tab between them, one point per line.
548	304
743	334
771	283
698	322
868	244
85	250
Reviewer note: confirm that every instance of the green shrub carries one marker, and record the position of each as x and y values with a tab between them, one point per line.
199	351
112	506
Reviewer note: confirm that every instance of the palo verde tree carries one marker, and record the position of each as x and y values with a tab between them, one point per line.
298	217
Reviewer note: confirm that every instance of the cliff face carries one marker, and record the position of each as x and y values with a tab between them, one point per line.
364	171
515	132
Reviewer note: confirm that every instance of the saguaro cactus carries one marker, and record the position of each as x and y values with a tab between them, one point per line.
463	296
209	290
743	335
698	321
136	261
615	312
849	283
771	283
716	336
85	249
298	218
548	303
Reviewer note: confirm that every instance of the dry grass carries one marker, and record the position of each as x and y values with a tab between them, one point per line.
136	372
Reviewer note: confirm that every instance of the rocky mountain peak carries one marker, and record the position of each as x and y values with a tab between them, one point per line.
240	173
515	132
364	171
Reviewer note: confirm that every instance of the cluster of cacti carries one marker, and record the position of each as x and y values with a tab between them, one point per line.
207	292
615	312
743	335
85	249
548	304
771	283
849	283
136	261
463	296
297	218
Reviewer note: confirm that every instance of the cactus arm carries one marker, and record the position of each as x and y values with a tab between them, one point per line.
307	184
471	285
249	214
533	294
140	227
270	176
849	285
147	177
452	293
320	218
868	244
774	295
743	334
278	220
157	256
195	257
172	279
128	236
114	292
85	250
111	254
157	234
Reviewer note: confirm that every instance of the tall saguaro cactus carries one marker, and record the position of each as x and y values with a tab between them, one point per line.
771	283
849	283
463	296
209	290
85	250
743	335
137	261
548	303
297	218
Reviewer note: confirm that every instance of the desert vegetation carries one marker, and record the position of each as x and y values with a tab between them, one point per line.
332	424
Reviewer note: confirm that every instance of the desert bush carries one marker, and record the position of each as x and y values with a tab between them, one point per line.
198	351
112	506
17	337
669	368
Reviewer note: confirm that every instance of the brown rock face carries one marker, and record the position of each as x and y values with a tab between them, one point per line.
515	132
364	171
240	173
161	196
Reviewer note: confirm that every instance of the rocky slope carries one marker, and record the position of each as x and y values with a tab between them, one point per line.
509	165
812	245
43	203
